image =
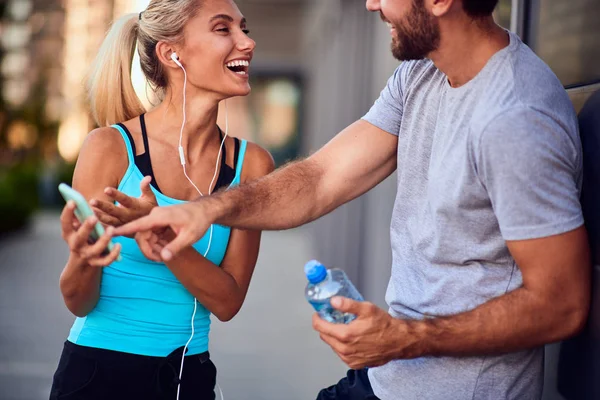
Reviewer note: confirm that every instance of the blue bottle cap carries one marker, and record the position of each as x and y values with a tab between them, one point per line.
315	271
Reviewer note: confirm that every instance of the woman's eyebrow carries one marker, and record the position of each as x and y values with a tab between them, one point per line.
226	17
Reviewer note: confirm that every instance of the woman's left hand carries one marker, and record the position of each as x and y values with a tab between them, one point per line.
152	242
128	209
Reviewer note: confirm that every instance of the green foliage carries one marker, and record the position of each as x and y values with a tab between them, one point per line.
65	173
18	196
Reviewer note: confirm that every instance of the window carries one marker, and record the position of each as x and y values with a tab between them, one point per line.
276	107
566	35
271	115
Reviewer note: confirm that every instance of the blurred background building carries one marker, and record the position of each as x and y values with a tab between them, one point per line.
318	66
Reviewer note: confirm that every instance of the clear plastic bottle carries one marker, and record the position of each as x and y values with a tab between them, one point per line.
323	284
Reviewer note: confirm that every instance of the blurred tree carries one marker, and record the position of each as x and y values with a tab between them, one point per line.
25	131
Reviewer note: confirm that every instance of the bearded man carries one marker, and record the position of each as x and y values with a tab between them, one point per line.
490	256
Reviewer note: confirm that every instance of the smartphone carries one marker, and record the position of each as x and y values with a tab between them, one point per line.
83	211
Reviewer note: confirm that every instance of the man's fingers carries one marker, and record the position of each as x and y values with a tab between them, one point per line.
181	241
330	340
347	305
342	349
122	198
338	331
154	220
109	208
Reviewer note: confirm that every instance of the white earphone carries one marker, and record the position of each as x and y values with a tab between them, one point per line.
175	58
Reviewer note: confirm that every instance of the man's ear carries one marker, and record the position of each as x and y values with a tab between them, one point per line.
439	8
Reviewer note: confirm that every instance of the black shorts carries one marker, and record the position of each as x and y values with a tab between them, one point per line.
355	386
90	373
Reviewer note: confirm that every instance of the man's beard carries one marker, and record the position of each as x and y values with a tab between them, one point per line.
417	35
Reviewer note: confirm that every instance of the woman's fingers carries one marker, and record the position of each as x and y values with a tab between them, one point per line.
108	259
121	213
158	244
67	219
122	198
147	193
80	238
156	249
95	250
145	241
105	218
145	186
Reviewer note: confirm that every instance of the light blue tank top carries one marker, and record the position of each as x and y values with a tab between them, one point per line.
143	309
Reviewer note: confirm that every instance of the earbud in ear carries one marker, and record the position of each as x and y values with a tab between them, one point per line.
175	58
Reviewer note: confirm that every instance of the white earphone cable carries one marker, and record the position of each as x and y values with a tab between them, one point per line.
181	153
182	160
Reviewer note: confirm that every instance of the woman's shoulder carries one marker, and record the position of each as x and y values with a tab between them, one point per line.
103	138
102	162
107	143
257	162
103	152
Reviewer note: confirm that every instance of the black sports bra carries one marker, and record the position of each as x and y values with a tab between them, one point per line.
144	164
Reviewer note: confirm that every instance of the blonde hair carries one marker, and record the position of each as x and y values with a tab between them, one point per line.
111	95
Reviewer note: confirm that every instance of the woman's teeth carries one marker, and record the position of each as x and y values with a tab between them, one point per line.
240	67
238	63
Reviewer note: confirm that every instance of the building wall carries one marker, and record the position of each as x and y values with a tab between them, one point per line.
275	25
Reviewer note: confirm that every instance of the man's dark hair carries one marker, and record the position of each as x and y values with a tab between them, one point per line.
479	8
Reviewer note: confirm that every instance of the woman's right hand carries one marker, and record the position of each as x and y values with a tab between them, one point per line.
77	237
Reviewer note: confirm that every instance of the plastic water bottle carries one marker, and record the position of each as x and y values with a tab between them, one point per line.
323	284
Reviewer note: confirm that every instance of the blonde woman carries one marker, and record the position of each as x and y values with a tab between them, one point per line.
135	316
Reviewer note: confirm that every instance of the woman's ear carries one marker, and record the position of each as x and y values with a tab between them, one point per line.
164	52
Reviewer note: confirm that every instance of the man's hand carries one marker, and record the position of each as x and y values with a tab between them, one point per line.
373	339
188	221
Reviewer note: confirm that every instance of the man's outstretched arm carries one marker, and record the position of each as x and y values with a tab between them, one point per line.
353	162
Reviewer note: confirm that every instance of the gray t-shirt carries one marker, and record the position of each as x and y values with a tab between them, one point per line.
496	159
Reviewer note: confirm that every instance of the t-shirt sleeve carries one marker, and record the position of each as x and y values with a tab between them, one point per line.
531	168
386	113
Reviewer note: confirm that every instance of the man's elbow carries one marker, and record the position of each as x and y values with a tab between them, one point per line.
574	317
578	321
